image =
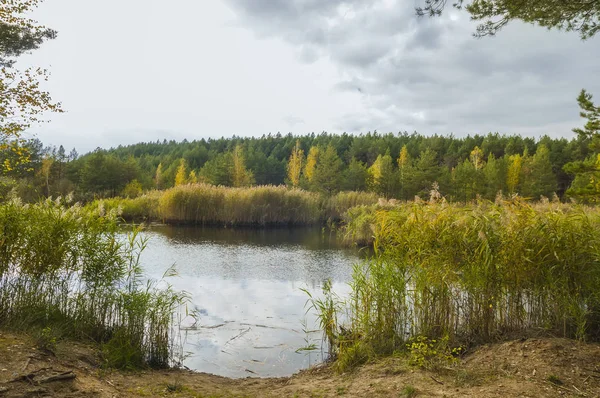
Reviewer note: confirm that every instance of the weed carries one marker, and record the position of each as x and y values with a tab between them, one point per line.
408	391
46	340
555	380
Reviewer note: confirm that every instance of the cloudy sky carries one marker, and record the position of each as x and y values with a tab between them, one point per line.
141	70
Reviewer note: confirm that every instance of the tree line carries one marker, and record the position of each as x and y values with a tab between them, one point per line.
398	166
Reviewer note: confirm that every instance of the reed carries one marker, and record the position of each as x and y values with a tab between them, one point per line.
470	274
69	270
205	204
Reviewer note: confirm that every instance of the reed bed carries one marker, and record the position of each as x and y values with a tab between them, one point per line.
68	271
205	204
467	274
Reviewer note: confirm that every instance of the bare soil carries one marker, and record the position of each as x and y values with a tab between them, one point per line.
537	367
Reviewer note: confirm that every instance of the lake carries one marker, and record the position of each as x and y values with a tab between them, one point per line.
245	284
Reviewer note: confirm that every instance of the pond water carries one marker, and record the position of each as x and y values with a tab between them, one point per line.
245	284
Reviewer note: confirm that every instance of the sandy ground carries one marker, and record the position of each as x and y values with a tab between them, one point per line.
521	368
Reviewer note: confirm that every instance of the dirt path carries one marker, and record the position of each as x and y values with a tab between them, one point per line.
530	368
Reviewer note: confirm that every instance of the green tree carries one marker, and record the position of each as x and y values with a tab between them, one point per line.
426	172
495	173
539	178
585	187
591	130
133	189
355	177
217	171
405	173
327	172
581	16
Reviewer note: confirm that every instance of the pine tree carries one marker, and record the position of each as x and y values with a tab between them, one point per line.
356	176
327	172
539	180
495	176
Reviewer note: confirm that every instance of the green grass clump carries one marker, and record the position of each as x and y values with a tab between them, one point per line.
469	274
408	392
68	272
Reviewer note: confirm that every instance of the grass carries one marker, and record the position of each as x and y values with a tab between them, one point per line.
465	275
205	204
408	392
67	272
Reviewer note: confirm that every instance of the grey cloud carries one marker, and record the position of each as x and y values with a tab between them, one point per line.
525	79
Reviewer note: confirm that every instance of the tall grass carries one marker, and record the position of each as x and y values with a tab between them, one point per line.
206	204
470	274
69	270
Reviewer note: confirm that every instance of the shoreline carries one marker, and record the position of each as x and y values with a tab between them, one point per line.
534	367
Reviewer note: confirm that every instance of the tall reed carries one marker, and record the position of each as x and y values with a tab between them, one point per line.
472	274
205	204
70	269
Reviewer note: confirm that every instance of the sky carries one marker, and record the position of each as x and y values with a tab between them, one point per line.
128	71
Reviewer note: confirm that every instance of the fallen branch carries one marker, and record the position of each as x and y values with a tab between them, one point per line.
26	364
29	376
69	375
437	381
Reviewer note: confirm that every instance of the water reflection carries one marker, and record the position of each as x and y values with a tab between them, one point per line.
246	286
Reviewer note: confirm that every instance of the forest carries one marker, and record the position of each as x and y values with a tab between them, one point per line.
399	166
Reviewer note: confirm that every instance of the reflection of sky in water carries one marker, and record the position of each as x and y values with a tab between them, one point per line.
246	287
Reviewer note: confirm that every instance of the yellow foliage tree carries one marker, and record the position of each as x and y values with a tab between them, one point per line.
159	179
193	178
514	171
181	176
295	164
241	176
22	102
477	158
311	163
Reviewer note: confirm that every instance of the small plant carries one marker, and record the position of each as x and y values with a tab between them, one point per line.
555	380
175	387
408	392
427	353
46	340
